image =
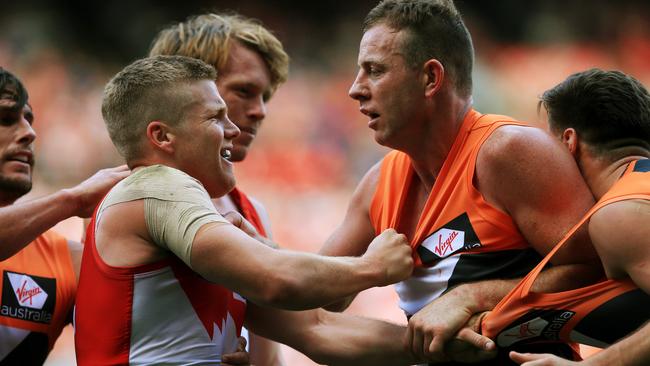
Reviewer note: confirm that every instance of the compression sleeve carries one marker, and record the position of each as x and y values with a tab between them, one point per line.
175	206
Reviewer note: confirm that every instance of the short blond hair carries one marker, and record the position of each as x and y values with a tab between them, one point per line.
149	89
207	37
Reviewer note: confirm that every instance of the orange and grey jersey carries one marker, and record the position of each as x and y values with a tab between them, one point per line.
459	237
38	290
597	315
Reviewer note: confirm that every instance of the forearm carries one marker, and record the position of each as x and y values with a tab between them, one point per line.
295	280
23	222
334	339
631	351
305	281
341	339
485	295
567	277
482	296
264	351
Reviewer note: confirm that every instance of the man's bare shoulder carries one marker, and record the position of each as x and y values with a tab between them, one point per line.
368	183
528	174
621	233
510	141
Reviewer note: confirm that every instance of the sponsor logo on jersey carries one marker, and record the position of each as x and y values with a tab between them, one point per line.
535	325
28	297
445	242
455	236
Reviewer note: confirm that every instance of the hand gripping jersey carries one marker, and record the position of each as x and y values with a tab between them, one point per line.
38	289
597	315
246	208
158	313
459	237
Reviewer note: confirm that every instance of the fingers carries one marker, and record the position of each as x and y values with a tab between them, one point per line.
117	173
119	168
436	345
417	344
392	252
238	220
236	358
241	344
240	357
234	218
420	340
535	359
476	340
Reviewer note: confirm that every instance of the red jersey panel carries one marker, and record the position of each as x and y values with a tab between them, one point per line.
160	313
246	208
596	315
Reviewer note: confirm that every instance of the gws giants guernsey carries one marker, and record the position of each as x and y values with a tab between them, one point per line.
459	237
38	290
596	315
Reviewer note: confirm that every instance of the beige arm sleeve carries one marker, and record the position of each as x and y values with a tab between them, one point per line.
173	224
175	206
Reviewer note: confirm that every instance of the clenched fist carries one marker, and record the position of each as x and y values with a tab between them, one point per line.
391	252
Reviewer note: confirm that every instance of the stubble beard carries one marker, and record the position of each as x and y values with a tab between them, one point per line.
15	187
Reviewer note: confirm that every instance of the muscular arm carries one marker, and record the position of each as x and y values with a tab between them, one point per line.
624	256
294	280
332	338
23	222
355	233
527	174
223	254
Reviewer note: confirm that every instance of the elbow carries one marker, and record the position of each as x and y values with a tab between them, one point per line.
284	292
314	342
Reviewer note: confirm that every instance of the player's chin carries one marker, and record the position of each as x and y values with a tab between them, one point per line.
381	138
229	182
239	152
222	188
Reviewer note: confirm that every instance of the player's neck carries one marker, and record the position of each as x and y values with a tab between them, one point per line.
601	173
224	204
444	128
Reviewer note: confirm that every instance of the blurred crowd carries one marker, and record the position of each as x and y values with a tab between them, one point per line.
315	143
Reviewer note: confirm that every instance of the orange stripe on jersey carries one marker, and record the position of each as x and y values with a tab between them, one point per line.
596	315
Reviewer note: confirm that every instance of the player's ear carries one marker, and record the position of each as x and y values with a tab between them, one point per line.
433	76
570	140
161	136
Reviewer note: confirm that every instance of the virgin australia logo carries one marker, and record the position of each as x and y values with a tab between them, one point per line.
445	242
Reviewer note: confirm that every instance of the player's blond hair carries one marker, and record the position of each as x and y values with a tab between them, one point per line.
208	37
149	89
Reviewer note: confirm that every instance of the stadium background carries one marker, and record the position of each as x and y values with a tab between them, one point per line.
315	145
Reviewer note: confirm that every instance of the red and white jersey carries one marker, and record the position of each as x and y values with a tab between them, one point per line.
159	313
